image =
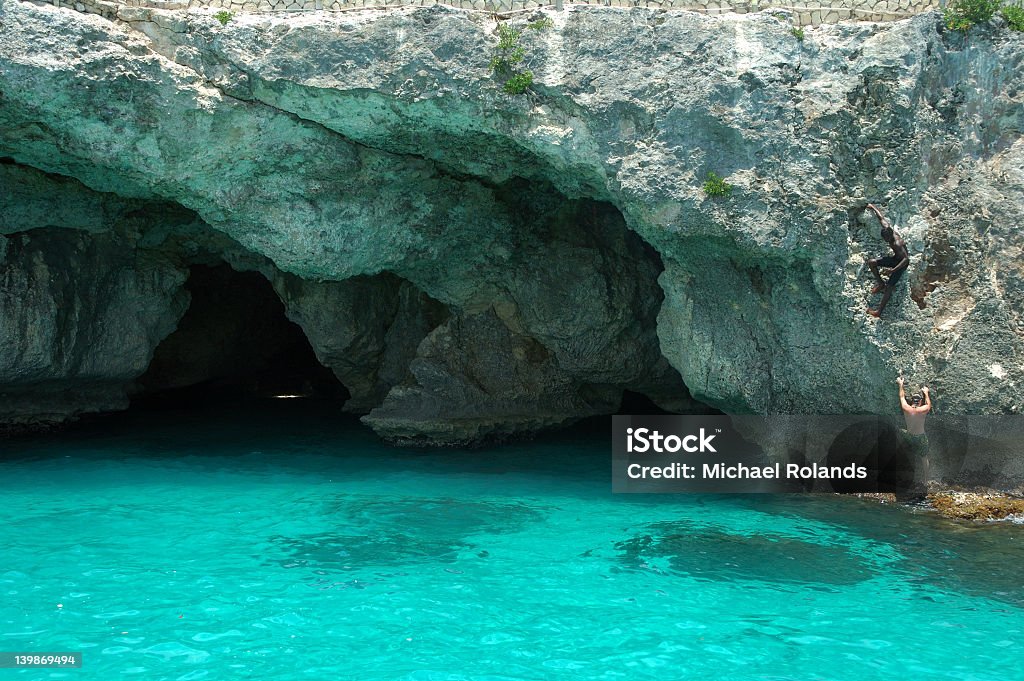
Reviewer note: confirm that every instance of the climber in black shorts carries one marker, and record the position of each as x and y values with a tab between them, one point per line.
896	263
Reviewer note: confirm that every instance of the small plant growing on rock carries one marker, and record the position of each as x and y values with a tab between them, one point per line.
797	33
223	17
961	15
509	54
1014	16
519	83
716	186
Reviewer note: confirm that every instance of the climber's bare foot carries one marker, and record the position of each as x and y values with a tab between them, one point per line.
878	289
873	312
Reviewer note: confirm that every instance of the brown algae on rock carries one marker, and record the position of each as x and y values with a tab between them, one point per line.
986	505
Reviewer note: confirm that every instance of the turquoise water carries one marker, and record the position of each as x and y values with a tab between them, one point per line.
267	544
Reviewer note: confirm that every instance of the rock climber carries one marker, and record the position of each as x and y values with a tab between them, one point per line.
896	263
914	412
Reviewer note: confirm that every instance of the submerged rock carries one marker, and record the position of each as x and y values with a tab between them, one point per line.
473	264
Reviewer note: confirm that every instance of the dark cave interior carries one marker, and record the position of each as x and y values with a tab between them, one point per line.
234	343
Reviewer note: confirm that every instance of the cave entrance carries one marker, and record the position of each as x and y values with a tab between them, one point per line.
234	343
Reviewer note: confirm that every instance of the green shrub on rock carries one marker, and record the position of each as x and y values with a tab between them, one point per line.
716	186
223	17
518	84
509	54
961	15
1014	16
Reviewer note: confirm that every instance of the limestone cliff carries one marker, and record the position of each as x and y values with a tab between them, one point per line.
472	263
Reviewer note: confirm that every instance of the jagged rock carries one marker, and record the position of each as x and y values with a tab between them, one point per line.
990	505
474	378
365	329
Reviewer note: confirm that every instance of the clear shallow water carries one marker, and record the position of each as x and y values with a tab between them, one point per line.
270	545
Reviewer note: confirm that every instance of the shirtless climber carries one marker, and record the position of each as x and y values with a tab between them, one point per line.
896	263
914	412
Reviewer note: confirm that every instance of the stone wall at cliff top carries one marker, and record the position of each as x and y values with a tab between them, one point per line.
804	12
564	232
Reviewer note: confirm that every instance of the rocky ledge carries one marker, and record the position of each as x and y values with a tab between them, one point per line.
472	263
978	505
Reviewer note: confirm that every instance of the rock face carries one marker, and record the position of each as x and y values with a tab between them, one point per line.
81	318
471	263
366	329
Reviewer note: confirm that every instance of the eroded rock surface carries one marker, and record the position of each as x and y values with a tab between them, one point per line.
366	329
80	320
564	233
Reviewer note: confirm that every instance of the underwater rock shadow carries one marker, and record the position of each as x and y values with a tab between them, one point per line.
977	559
376	532
689	549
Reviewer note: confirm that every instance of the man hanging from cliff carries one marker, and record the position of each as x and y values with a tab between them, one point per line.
914	412
896	263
